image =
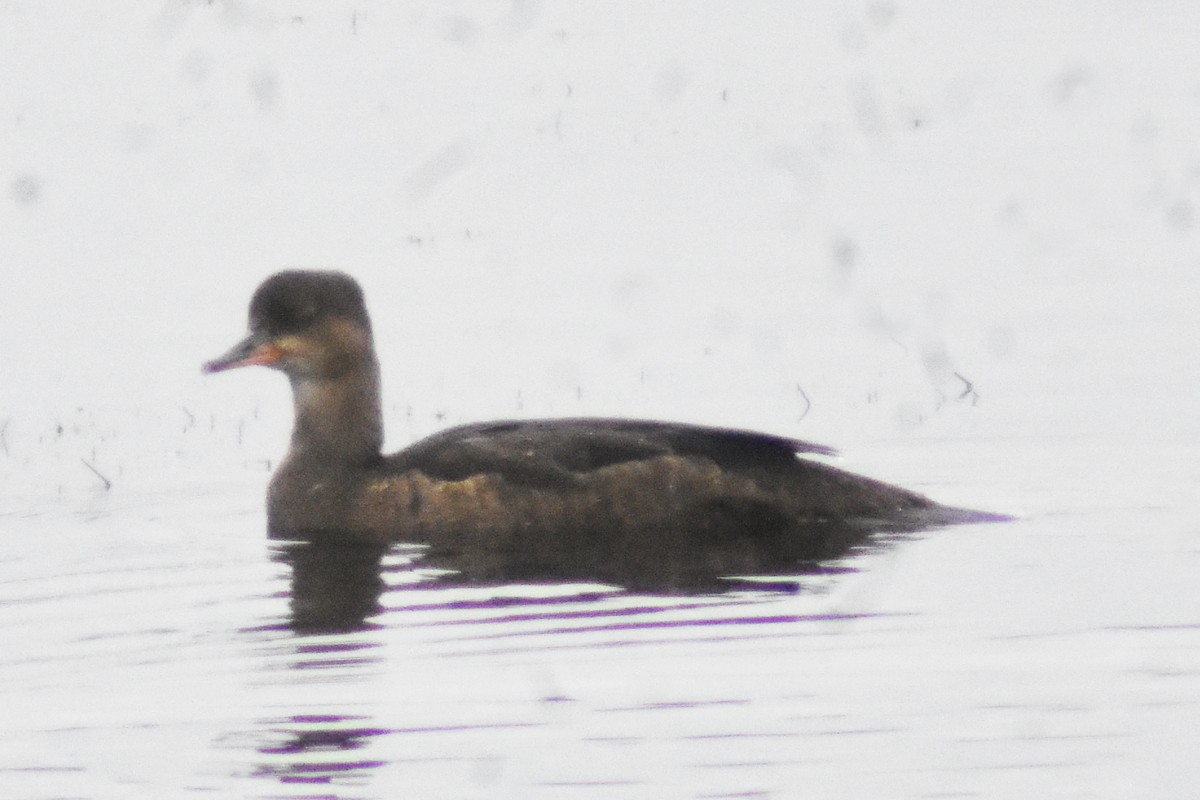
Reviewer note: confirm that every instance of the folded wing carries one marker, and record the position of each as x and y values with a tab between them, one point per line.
559	452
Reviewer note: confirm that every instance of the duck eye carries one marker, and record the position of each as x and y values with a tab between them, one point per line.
297	316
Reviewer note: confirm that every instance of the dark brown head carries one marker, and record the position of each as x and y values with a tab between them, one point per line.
308	324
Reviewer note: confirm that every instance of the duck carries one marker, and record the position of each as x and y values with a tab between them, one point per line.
529	497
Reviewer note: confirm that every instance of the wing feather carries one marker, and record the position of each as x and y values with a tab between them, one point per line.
557	452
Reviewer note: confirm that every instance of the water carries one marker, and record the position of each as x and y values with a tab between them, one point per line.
159	646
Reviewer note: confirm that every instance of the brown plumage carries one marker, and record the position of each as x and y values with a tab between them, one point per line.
606	499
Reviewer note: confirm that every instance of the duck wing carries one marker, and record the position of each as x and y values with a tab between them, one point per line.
558	452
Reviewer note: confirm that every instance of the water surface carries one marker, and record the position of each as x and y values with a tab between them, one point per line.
158	650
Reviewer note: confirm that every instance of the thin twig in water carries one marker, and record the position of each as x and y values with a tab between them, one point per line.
807	402
96	472
968	389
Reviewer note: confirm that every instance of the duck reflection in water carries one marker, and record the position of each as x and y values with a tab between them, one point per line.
647	505
337	582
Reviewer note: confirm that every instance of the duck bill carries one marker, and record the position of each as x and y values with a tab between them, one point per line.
251	351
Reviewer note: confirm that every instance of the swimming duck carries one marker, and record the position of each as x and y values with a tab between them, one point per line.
578	493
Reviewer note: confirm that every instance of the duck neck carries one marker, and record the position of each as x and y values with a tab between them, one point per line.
338	420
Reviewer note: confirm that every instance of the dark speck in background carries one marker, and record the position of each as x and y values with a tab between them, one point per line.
264	87
460	30
195	67
1069	82
1012	212
137	137
521	16
854	38
670	83
436	170
26	190
881	14
845	255
867	109
1181	215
